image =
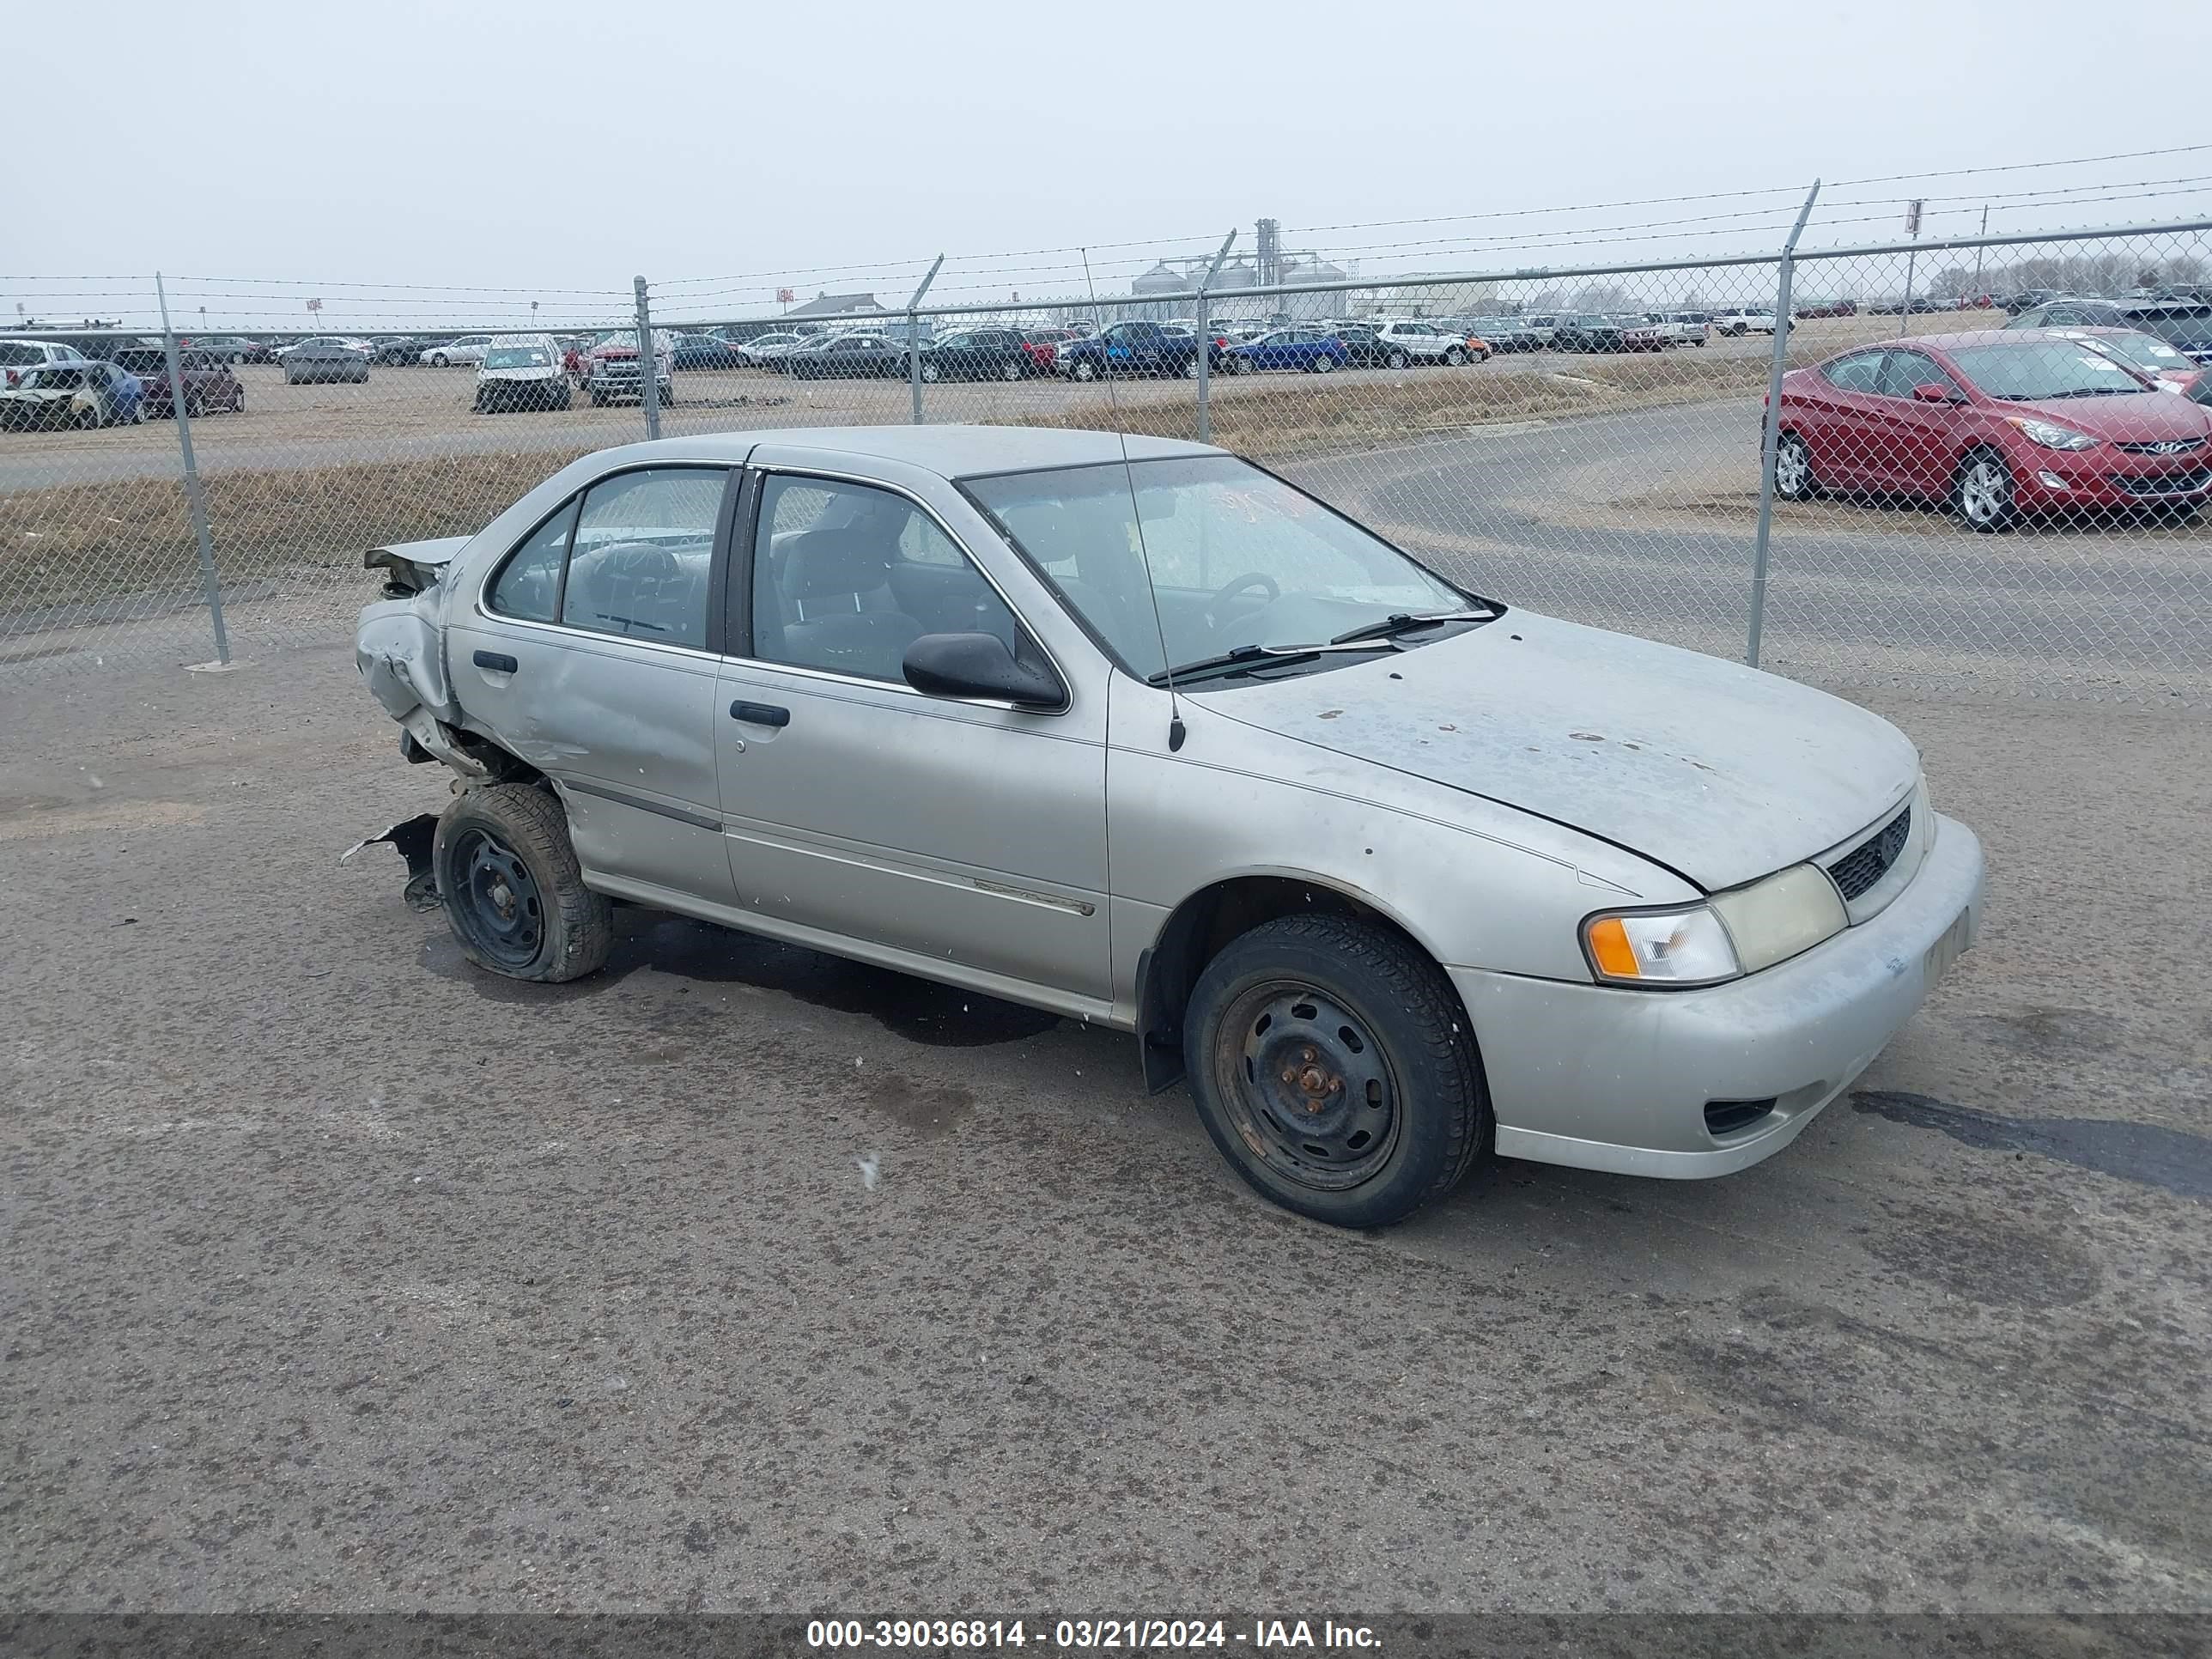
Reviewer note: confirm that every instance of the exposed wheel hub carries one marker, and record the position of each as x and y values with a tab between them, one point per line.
1311	1089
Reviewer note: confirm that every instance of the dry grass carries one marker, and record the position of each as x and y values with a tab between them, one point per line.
1282	418
96	544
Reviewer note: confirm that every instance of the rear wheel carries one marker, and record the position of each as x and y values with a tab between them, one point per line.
1084	369
513	891
1455	357
1324	365
1397	359
1982	492
1793	469
437	360
1334	1067
1011	369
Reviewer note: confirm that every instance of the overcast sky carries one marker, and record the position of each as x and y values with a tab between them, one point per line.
558	146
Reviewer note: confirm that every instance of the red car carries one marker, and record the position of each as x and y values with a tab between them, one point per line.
1997	423
1039	343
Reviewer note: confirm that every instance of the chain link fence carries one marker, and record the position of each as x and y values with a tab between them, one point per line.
1982	473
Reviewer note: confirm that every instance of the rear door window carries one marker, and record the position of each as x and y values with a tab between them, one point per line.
643	547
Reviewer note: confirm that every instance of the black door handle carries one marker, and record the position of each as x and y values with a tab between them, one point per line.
760	714
498	661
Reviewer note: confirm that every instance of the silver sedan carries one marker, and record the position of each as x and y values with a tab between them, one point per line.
1393	873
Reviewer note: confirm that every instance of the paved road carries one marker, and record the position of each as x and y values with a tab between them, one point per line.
341	1277
1644	521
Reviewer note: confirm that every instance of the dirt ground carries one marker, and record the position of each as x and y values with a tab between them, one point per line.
342	1277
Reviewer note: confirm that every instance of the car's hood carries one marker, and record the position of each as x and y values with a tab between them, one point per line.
2145	416
547	372
1720	772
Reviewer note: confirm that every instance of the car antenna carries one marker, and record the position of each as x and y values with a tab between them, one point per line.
1177	731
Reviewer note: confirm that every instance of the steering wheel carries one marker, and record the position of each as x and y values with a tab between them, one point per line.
1222	596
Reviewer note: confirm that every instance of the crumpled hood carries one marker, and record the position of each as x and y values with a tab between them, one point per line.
1717	771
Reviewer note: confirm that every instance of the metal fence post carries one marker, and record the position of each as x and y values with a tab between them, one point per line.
1205	331
195	494
1770	437
648	366
914	340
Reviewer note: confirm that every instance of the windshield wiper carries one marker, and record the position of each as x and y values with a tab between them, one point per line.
1245	658
1403	622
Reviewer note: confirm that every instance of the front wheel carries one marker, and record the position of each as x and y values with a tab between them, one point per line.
1084	369
1324	365
1455	358
930	373
437	360
511	890
1334	1067
1397	360
1011	369
1982	493
1240	365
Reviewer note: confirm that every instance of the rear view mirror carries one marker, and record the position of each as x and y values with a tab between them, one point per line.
1932	393
979	665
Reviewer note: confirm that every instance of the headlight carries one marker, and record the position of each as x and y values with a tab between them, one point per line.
1662	947
1736	932
2050	435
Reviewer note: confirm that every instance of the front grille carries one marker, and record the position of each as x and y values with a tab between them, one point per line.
2166	484
1725	1117
2164	446
1870	861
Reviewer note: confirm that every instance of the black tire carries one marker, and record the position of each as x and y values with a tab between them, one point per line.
599	400
1378	1051
1982	492
1084	369
668	394
1011	369
1397	360
1793	469
511	890
437	360
1455	357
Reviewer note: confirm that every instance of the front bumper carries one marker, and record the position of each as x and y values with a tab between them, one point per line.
2045	479
1609	1078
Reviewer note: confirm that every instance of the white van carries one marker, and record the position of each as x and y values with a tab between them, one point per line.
521	371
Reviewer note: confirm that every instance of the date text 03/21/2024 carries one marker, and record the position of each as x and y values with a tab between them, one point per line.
1279	1634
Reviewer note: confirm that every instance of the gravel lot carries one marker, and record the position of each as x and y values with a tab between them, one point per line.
342	1277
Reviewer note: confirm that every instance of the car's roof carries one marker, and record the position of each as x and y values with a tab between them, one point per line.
951	451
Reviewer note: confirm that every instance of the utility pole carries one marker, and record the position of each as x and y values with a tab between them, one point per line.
1977	251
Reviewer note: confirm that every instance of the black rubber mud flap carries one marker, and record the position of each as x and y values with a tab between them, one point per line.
411	838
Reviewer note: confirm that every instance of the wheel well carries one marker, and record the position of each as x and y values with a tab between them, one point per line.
1201	927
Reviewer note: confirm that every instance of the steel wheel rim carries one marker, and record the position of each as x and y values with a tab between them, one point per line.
1790	469
497	899
1308	1085
1983	491
1011	371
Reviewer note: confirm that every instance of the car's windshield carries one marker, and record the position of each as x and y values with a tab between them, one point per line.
2142	350
1235	557
2176	323
2043	368
518	357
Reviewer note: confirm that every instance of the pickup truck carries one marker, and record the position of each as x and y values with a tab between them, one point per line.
611	371
1126	350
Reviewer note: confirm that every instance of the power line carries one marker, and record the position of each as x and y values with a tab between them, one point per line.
2021	166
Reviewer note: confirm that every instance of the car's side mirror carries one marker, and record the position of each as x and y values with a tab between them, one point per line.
979	665
1932	393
